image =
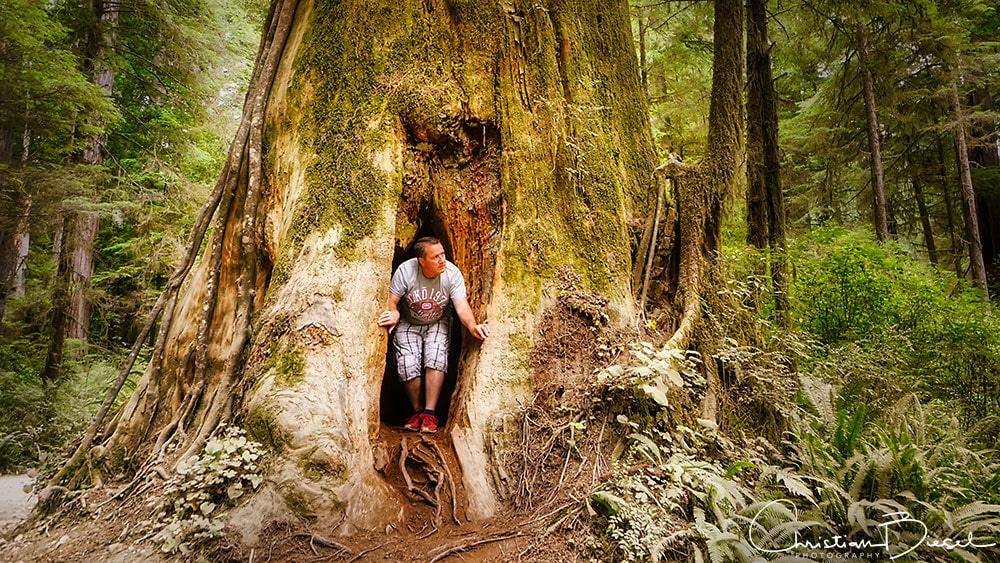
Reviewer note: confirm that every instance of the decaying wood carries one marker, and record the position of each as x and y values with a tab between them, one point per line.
652	245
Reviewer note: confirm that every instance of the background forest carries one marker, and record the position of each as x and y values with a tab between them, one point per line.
851	318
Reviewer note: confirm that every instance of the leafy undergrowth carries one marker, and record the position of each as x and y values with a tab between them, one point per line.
227	468
868	429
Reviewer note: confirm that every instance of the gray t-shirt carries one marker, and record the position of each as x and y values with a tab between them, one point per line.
424	300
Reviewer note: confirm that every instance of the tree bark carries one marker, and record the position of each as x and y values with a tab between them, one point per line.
516	133
765	199
949	209
874	137
925	220
978	267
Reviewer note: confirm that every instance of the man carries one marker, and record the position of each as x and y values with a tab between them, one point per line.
424	286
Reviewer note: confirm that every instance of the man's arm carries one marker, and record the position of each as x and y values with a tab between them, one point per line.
390	317
480	331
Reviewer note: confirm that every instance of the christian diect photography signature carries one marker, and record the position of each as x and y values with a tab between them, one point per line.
893	523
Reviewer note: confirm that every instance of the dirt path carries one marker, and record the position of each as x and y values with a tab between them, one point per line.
15	504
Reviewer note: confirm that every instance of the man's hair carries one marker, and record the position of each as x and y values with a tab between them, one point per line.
420	246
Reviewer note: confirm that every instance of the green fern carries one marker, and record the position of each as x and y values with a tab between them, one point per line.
846	434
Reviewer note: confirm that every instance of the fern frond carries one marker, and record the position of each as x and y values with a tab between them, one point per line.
972	513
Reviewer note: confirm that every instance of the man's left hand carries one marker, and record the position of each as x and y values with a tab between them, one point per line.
481	331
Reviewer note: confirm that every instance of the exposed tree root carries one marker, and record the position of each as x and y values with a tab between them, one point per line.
427	458
361	554
451	483
324	542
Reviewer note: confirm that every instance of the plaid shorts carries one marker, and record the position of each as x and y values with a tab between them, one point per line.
421	346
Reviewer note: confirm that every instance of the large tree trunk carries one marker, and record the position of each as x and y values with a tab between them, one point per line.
515	132
968	195
765	200
874	137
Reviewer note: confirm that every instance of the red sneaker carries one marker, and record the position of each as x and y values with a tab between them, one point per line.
414	422
429	423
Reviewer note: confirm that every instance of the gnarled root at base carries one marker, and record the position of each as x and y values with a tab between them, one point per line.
426	457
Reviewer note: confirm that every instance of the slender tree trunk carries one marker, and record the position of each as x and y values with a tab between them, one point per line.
874	140
765	200
14	239
984	154
925	220
957	249
702	189
58	319
11	218
968	195
23	232
642	17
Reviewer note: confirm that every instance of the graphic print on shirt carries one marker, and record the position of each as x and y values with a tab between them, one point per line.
426	304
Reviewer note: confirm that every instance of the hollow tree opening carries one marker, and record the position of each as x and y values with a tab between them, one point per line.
451	190
393	405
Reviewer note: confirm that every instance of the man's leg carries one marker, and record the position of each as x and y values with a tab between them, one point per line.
412	390
408	342
433	382
436	361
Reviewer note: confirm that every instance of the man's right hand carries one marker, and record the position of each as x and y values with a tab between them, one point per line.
388	319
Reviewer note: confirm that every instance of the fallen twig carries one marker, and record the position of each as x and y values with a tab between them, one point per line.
366	552
467	546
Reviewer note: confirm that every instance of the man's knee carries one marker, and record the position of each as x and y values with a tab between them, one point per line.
408	368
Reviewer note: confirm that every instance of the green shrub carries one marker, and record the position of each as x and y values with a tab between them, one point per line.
846	294
226	469
889	324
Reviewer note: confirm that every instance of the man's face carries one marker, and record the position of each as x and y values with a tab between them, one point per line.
433	261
